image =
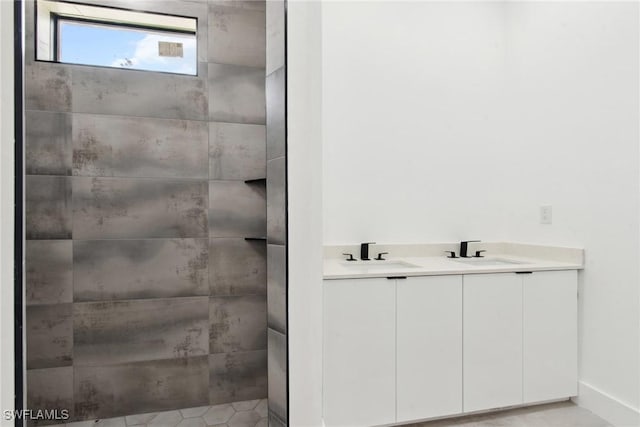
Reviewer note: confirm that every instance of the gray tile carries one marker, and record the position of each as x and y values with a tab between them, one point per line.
237	376
218	414
275	35
49	336
238	323
47	86
244	419
166	419
112	208
47	143
276	201
140	387
236	94
48	207
277	354
132	331
134	93
131	269
274	421
237	36
263	408
237	267
264	422
50	389
138	419
49	271
245	405
244	4
192	422
276	133
237	151
194	412
139	147
277	287
236	209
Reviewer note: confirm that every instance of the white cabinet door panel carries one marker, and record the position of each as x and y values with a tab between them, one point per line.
359	352
492	341
550	335
429	342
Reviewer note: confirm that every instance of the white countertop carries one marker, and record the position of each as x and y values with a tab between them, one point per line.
510	257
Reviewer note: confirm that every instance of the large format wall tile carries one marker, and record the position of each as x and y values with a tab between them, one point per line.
237	376
237	36
276	133
237	151
50	389
47	143
47	87
237	209
49	336
236	94
139	93
139	147
275	35
149	268
136	388
112	208
277	287
131	331
244	4
238	323
49	271
276	202
278	374
237	267
48	207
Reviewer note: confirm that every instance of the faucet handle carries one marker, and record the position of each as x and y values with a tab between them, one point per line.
452	254
477	255
379	257
349	257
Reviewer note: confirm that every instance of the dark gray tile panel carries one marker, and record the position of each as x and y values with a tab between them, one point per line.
49	336
139	147
277	287
132	331
47	86
277	354
50	389
237	209
148	268
142	387
48	207
139	93
236	377
237	36
49	271
237	151
276	202
237	267
238	323
236	94
112	208
47	143
275	94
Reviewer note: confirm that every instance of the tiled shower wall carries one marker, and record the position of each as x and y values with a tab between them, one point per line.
276	212
142	293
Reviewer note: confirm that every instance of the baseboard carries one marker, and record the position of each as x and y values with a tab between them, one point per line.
607	407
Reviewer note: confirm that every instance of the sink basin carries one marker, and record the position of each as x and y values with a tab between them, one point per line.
379	265
488	261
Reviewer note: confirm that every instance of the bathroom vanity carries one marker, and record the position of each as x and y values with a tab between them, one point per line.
421	336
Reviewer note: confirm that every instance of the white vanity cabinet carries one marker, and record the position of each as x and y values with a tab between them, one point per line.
359	352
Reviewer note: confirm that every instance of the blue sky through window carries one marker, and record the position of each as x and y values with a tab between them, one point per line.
122	47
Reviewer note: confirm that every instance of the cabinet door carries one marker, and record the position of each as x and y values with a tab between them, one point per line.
429	347
492	340
550	335
359	360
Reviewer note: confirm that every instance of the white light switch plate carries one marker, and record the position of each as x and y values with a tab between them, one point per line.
546	215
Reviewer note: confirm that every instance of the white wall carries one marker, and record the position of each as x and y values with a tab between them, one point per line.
444	121
304	151
6	208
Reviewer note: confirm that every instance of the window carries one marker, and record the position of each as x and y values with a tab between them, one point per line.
90	35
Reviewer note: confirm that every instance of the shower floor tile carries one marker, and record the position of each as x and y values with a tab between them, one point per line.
249	413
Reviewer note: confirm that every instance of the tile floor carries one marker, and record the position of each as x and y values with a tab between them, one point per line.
249	413
561	414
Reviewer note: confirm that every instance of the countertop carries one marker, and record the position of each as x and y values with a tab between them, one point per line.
500	258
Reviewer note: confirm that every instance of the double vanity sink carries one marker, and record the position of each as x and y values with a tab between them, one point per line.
399	266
